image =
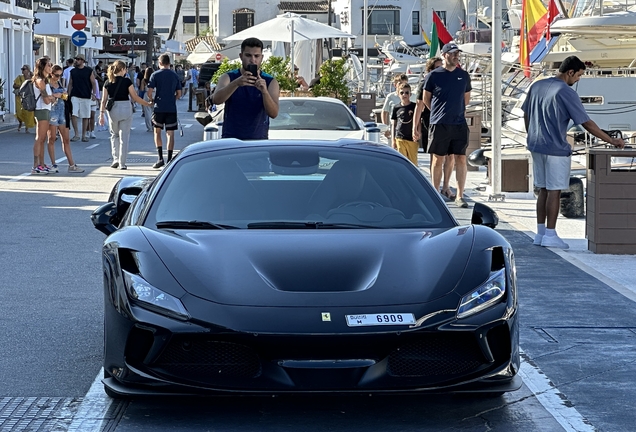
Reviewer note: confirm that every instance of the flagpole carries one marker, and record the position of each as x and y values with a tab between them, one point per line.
495	131
364	46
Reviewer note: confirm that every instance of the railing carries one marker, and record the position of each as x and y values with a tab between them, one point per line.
26	4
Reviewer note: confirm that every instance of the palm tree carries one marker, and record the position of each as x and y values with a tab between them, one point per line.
175	18
150	47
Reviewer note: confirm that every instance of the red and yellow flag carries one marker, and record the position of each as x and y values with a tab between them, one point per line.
534	20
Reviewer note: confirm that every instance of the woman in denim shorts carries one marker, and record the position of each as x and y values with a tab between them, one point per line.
58	122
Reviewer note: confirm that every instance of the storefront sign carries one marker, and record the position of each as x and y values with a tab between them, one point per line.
118	43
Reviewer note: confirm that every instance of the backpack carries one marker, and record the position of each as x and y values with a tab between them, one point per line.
27	96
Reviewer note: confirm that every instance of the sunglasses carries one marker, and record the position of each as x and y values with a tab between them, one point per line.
24	69
77	58
405	92
57	76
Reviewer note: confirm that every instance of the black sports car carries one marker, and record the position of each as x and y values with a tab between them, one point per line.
308	266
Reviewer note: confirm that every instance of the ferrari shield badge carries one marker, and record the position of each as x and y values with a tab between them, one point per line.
326	316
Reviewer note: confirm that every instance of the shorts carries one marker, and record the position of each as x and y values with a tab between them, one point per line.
167	120
408	148
81	107
445	139
93	105
42	114
551	172
57	121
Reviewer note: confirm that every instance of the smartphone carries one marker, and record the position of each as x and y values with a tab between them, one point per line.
253	69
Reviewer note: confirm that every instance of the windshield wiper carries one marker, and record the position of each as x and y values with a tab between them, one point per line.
193	224
304	225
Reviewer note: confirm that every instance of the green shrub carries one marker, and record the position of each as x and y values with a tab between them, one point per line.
278	67
226	66
332	80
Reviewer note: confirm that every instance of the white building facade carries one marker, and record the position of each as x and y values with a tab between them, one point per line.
390	18
16	43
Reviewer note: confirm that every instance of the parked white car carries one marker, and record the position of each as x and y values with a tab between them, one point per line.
317	118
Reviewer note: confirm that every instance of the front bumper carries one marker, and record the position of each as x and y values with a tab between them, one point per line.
147	353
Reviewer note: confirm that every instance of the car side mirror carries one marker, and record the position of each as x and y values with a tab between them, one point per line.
484	215
103	217
125	198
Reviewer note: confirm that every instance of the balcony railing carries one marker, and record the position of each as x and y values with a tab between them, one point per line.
26	4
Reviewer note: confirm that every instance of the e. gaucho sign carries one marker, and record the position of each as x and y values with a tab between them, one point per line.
118	43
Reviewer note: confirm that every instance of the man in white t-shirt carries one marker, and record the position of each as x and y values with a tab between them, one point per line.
70	65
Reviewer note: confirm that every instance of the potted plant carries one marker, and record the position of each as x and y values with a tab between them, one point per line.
278	67
332	80
226	66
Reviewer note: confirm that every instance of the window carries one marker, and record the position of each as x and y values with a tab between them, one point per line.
243	19
415	21
384	22
189	24
442	16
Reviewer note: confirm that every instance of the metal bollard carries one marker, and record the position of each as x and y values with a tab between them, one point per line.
370	124
211	132
373	134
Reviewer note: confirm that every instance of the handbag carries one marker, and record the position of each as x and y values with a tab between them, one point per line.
110	103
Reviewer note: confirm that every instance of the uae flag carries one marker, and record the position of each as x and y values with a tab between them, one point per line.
439	35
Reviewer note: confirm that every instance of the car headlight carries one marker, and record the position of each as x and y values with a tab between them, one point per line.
149	297
486	295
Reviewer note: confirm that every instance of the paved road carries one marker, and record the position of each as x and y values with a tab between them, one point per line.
578	335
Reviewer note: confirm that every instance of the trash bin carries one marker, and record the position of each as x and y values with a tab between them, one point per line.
572	200
611	201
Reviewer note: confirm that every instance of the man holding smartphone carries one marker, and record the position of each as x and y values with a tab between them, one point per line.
250	96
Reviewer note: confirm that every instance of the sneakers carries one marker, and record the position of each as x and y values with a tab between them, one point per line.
38	170
53	169
158	164
123	167
537	239
114	165
75	169
554	242
460	202
92	135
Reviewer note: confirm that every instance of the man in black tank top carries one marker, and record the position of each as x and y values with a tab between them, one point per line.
82	88
250	98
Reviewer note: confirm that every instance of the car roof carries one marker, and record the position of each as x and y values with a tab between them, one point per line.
232	143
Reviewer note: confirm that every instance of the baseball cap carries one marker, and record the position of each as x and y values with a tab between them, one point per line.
450	47
81	57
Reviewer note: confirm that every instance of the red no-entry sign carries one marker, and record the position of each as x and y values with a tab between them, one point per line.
78	21
218	56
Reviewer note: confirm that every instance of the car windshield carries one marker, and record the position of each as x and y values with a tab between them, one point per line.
295	187
313	114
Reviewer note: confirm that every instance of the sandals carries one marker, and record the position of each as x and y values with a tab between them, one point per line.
449	194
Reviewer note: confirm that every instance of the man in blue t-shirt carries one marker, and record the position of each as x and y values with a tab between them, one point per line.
549	106
446	94
164	88
250	100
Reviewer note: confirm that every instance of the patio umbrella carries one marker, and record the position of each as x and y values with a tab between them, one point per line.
290	27
110	57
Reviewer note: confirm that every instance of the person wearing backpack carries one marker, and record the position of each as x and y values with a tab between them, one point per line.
21	114
43	100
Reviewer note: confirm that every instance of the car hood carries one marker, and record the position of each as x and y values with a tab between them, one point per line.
315	134
315	267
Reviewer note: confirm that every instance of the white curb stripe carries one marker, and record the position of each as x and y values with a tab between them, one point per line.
92	412
91	146
552	399
20	177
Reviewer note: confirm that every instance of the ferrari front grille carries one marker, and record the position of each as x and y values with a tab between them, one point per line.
436	355
204	360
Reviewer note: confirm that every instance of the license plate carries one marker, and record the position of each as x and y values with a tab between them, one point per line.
380	319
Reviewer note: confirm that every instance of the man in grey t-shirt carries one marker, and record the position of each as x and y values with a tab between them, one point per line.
549	106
